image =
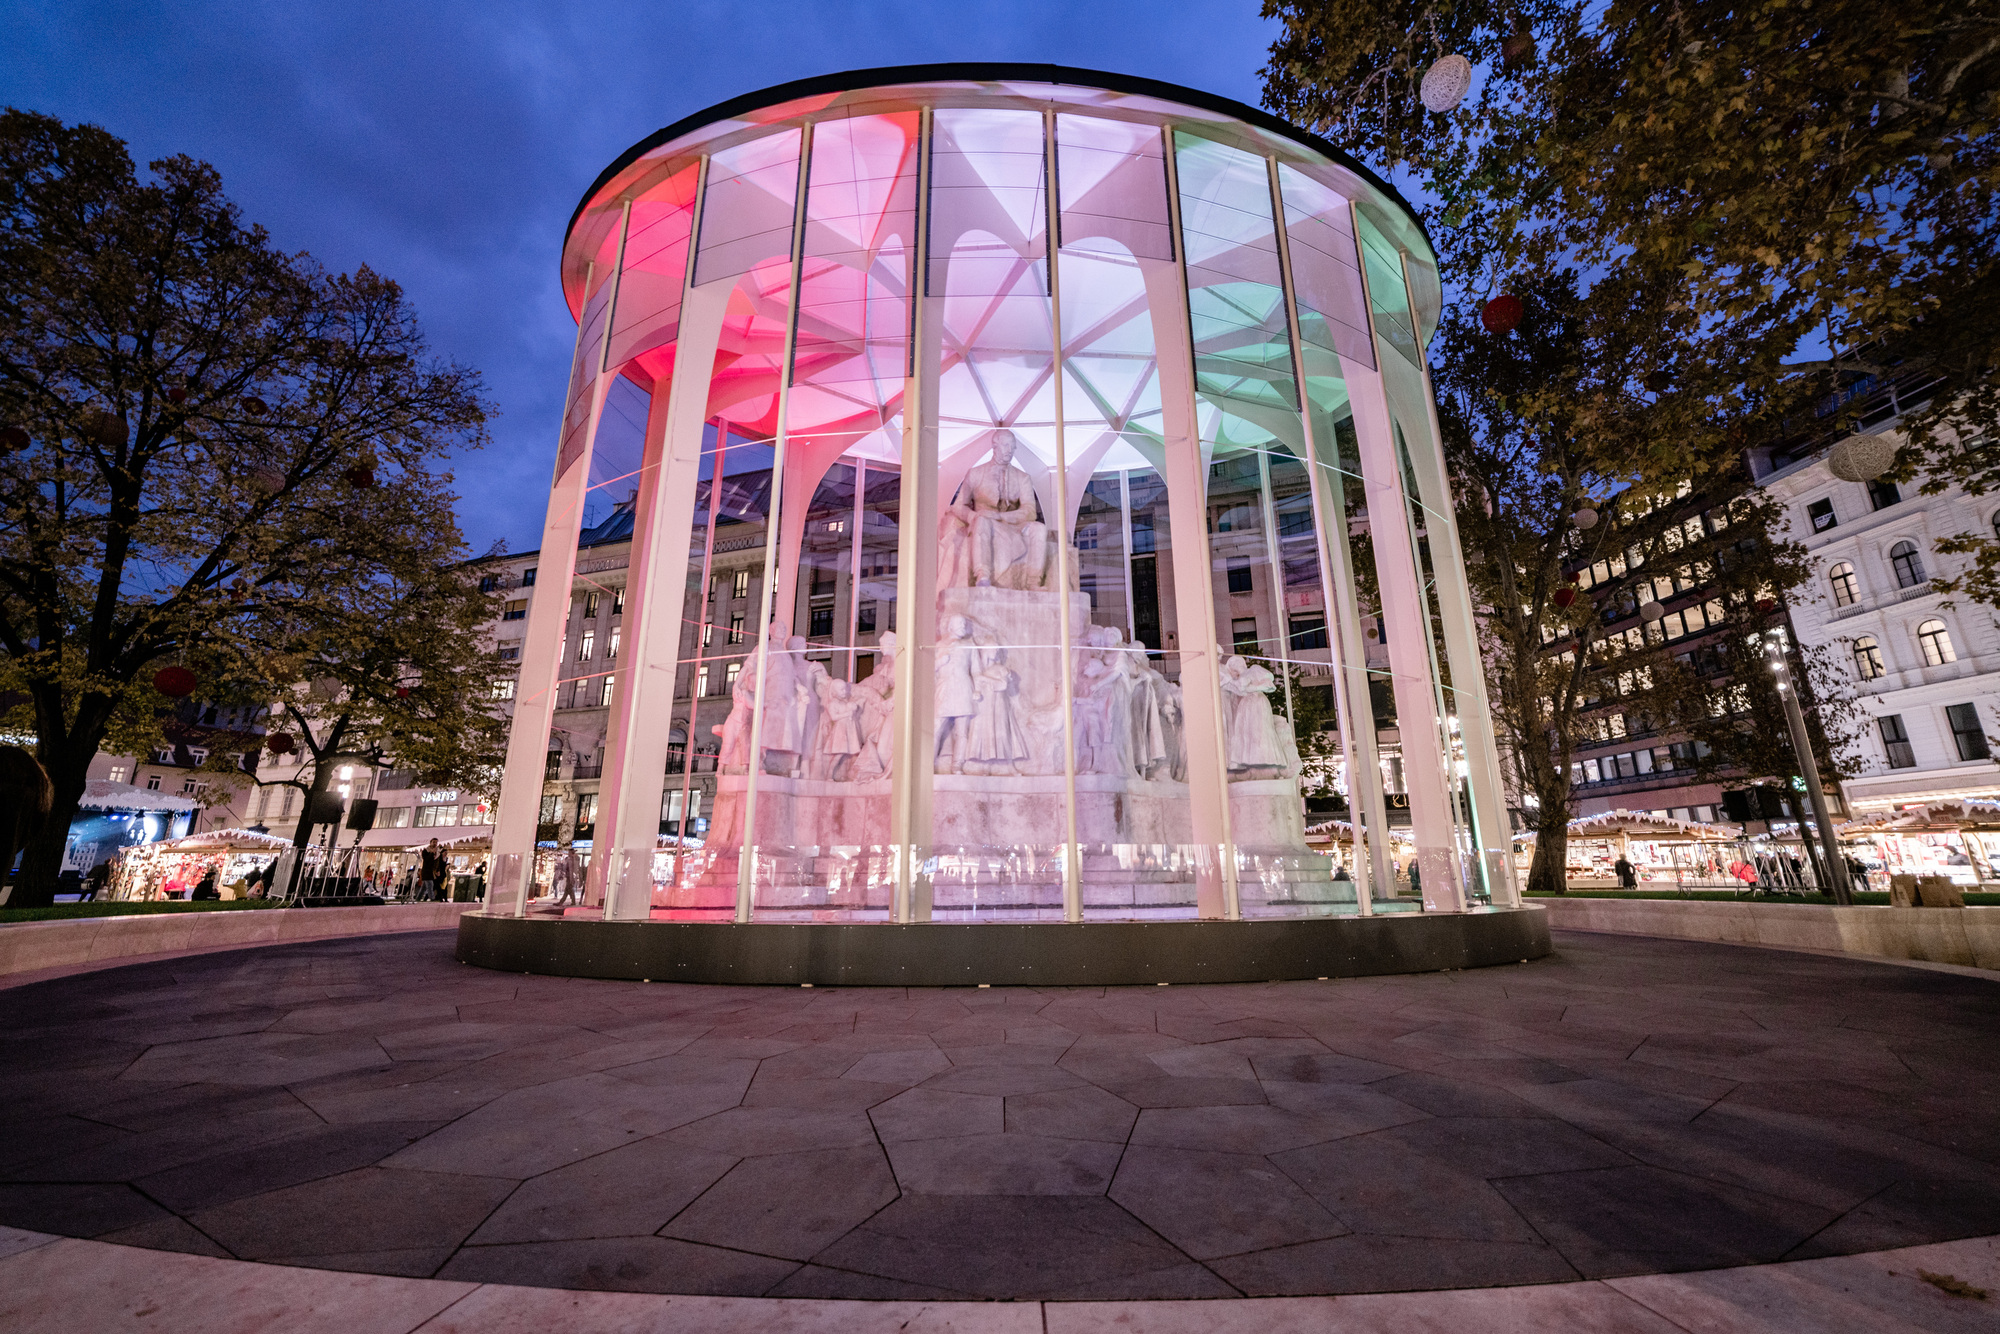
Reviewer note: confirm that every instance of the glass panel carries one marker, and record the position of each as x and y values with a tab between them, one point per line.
746	219
1319	227
1243	352
649	290
1112	180
1389	297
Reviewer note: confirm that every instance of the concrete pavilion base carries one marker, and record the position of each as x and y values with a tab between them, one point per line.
1047	954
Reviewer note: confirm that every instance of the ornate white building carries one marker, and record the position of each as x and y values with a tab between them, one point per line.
1926	666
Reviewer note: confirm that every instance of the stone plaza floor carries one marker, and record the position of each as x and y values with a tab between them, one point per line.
1624	1107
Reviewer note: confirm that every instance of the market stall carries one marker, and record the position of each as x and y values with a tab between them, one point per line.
172	869
1663	852
1958	839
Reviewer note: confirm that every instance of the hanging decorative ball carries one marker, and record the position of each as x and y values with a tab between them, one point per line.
178	682
1659	381
1445	83
1565	597
1862	458
177	395
1502	314
256	407
108	430
266	480
1585	519
1517	49
402	692
1767	604
1651	611
279	743
13	439
1572	577
361	477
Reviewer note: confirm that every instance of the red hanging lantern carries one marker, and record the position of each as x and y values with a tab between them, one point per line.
1565	597
177	395
178	682
279	743
1572	577
361	477
256	407
402	692
108	430
1517	49
1502	314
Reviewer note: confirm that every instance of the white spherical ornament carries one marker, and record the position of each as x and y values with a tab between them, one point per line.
1445	83
1651	611
1585	518
1862	458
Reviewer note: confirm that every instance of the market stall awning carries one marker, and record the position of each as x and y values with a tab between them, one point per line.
223	840
1645	824
101	794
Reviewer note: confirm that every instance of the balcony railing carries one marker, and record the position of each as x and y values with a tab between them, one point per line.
1909	594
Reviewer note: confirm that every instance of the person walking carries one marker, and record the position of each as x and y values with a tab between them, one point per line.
430	874
1627	877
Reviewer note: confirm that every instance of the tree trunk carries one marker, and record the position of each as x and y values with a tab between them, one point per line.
1545	873
41	864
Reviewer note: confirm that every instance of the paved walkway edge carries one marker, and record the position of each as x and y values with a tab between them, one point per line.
1965	937
60	1284
80	944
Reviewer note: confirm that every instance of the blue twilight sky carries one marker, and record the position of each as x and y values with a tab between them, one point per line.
446	143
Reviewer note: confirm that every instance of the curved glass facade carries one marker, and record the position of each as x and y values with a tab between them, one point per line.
1010	465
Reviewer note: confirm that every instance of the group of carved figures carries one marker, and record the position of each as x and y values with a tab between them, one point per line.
1126	718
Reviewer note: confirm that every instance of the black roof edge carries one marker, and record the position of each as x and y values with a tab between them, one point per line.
983	71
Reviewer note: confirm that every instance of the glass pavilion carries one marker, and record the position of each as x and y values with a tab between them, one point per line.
986	574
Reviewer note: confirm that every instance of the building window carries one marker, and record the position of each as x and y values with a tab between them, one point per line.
586	810
528	577
864	619
617	602
591	602
429	817
515	611
1867	658
611	648
739	586
588	649
189	787
1909	566
729	675
551	810
1883	494
1846	589
488	582
393	817
1896	742
701	683
1935	641
604	694
152	782
510	653
1308	632
117	774
736	629
1239	576
1967	732
1243	635
504	688
1820	512
822	621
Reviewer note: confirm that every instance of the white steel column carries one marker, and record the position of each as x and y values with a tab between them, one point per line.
1468	667
746	866
642	716
1426	765
913	741
1343	617
1194	583
1072	872
548	619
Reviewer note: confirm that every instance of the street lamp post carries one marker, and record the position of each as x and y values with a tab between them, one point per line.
1836	865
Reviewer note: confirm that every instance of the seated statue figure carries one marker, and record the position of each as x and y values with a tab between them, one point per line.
990	529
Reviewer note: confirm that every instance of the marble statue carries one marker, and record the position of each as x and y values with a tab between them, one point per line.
957	697
1248	723
877	720
838	740
1154	735
994	743
733	732
989	535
